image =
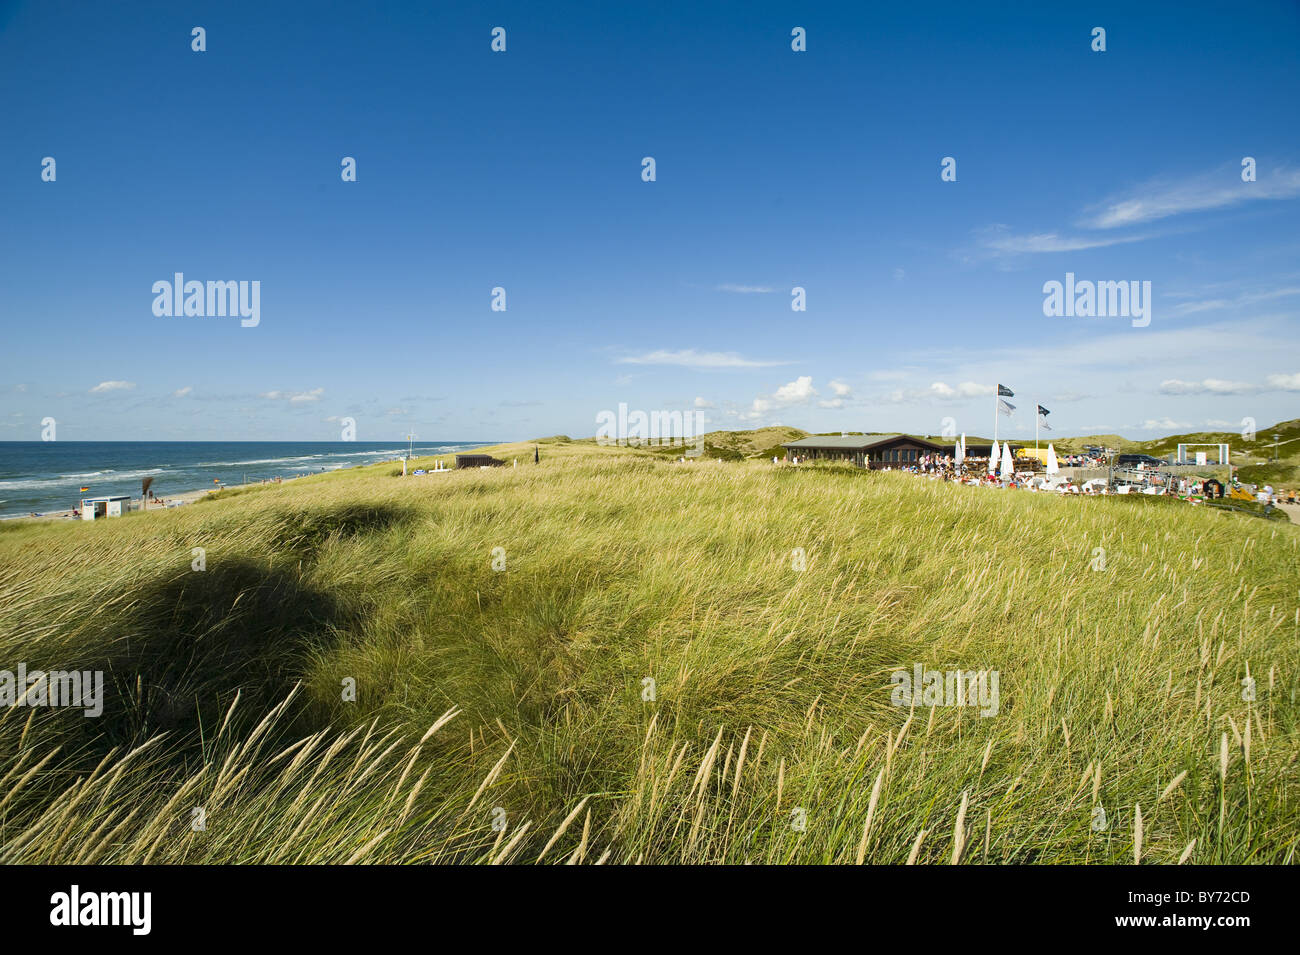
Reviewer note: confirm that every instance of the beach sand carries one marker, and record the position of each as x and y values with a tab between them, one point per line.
186	497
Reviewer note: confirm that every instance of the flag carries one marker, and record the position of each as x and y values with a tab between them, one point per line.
84	490
1005	407
1043	411
1005	392
1044	425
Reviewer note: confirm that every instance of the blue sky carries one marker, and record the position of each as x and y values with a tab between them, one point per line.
775	169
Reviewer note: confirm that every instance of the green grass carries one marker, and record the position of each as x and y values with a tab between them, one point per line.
517	694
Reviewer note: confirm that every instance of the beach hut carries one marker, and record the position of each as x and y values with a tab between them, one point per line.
477	461
93	508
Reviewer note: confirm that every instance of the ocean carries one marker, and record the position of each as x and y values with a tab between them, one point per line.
41	476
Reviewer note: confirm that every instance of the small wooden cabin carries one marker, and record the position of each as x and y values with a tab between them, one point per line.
478	461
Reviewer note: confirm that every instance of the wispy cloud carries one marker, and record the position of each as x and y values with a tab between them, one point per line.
1159	424
1219	386
182	392
106	386
1207	386
999	240
1241	301
1150	202
294	397
1162	198
690	358
940	391
745	289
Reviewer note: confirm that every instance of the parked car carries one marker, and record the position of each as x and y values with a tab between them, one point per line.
1133	460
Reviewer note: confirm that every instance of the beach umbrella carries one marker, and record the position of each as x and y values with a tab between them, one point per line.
1007	466
1053	466
959	455
993	459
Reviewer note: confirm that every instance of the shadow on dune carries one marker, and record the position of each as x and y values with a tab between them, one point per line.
176	660
302	532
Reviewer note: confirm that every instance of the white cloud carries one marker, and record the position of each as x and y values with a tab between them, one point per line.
690	358
967	389
1159	199
106	386
294	397
1176	386
998	240
940	391
182	392
1150	202
745	289
843	393
1285	382
799	391
703	402
1249	298
1208	386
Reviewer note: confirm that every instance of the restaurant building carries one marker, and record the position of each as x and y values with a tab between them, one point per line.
865	450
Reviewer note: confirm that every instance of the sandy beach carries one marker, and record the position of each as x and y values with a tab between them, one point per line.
160	504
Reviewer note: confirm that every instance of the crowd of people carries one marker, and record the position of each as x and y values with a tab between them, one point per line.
1029	475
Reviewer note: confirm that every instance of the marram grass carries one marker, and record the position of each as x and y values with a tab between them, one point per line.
649	679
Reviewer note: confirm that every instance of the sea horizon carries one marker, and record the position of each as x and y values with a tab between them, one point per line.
40	477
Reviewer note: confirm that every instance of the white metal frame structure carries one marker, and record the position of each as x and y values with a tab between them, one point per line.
1224	459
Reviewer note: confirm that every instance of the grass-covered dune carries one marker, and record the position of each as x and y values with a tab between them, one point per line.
503	628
